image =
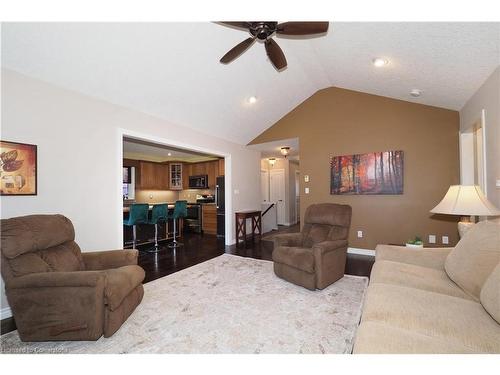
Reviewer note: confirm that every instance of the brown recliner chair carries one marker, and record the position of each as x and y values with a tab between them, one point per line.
315	258
55	291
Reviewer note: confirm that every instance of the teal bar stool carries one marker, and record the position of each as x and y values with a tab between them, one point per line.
138	214
180	212
159	215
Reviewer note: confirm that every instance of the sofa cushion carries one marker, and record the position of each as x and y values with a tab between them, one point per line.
490	294
381	338
120	282
473	259
461	322
31	233
427	257
64	258
413	276
297	257
27	263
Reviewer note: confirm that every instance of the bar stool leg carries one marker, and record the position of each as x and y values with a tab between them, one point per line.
175	244
134	236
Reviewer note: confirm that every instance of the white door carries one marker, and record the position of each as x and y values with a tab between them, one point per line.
277	193
264	185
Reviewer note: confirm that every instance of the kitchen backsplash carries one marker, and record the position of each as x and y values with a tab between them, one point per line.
156	196
190	194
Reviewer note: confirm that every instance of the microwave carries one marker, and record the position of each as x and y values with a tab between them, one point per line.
198	182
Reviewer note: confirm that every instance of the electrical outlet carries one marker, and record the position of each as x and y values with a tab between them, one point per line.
445	240
306	190
360	234
432	238
306	178
236	191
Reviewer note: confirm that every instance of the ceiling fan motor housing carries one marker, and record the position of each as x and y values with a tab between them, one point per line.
263	30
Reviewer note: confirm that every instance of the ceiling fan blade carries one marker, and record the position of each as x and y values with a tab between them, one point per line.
237	50
302	28
240	24
275	54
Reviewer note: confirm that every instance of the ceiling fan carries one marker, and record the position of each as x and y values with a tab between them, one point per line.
264	30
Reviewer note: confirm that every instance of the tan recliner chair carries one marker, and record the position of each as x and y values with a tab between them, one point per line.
315	258
55	291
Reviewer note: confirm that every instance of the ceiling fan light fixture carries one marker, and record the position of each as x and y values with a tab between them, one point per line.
285	151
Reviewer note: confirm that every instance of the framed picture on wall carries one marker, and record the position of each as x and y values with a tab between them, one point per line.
18	168
367	174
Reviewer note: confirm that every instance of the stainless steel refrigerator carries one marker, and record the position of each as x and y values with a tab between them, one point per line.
220	197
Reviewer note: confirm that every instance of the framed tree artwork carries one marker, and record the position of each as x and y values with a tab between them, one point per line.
18	168
373	173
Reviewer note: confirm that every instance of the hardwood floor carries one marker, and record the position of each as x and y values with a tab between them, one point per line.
199	248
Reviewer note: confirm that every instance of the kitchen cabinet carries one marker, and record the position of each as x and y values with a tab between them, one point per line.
175	176
210	168
152	176
221	166
209	218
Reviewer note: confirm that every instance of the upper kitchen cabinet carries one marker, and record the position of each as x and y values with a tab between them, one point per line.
221	167
175	176
152	176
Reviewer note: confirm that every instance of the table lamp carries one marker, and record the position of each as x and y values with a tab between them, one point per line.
466	201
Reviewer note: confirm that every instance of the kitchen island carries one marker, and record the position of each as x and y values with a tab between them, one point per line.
192	223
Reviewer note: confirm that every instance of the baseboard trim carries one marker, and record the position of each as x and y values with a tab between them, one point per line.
5	313
358	251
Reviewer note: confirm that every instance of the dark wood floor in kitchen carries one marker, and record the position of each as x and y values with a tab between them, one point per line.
201	247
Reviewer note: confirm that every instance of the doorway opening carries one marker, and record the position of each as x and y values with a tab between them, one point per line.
185	186
280	183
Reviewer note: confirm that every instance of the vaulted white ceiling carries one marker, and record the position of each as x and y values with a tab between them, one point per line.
172	70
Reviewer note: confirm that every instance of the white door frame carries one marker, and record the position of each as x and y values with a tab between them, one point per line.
466	144
121	133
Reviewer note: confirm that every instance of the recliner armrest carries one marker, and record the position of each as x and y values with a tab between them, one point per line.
58	279
103	260
327	246
288	239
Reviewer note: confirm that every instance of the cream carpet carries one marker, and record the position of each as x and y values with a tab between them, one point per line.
228	304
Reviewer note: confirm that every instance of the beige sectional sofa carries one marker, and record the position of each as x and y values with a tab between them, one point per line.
435	300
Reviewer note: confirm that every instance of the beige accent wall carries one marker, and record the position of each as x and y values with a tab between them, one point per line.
336	121
487	97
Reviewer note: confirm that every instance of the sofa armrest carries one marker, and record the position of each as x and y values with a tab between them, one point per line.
58	279
430	257
102	260
327	246
288	239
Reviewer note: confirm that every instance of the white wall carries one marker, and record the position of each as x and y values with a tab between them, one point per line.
79	142
487	97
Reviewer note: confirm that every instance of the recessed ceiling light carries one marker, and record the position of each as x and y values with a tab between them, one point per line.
416	93
252	99
379	62
169	154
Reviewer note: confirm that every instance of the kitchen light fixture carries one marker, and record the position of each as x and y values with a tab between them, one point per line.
380	62
416	93
272	161
252	99
466	201
285	151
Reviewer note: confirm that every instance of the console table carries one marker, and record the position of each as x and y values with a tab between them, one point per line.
241	227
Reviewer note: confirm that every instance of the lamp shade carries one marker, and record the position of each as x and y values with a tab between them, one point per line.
465	200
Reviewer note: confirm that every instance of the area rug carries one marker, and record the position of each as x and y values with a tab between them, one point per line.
228	304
